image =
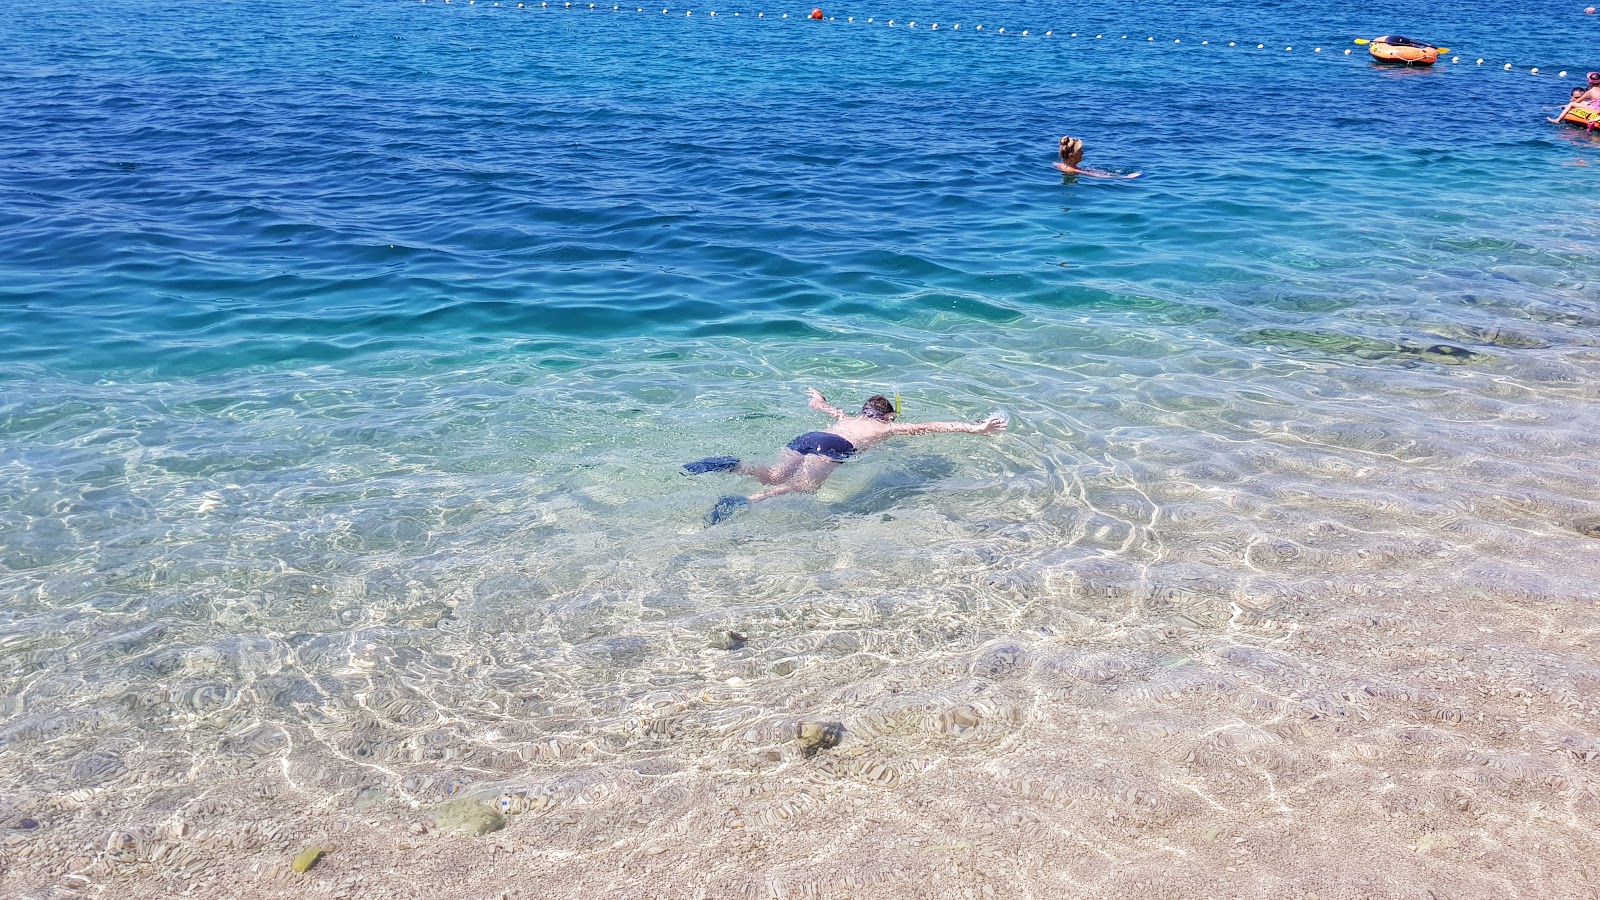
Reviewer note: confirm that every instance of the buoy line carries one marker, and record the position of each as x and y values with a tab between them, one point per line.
912	25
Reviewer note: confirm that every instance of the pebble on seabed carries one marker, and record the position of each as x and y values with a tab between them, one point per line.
815	736
305	859
468	817
727	640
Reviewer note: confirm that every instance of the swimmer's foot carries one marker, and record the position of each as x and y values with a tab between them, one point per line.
725	508
711	464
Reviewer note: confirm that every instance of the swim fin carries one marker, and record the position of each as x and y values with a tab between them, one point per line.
725	509
711	464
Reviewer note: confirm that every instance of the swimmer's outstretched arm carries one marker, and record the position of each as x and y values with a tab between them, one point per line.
819	402
987	426
1092	173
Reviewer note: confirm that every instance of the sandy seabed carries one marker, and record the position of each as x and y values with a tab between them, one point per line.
1381	742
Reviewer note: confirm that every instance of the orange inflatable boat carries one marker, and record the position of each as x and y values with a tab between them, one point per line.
1393	48
1582	116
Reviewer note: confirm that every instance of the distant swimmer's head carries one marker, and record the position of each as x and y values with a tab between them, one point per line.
1071	151
878	407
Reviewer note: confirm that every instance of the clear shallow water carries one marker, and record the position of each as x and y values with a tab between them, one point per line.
350	352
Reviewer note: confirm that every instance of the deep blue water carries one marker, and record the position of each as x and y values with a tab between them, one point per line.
191	190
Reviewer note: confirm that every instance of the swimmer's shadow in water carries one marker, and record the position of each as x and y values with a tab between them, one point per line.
893	488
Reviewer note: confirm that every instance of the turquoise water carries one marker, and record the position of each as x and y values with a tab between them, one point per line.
350	351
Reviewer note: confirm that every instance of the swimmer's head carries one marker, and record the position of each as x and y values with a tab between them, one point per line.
1071	151
878	407
1576	93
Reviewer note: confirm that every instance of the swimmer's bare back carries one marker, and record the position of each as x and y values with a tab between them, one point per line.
865	431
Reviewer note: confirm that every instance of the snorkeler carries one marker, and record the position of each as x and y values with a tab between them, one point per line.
809	459
1072	155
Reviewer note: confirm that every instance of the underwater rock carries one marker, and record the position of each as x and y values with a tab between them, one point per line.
1590	528
1449	353
727	640
469	817
814	736
305	859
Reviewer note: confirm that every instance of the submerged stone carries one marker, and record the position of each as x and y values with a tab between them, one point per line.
305	859
727	640
468	817
1590	528
814	736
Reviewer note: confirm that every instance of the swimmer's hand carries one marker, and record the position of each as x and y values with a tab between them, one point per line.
991	425
820	402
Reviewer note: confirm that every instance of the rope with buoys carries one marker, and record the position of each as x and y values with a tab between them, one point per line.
817	15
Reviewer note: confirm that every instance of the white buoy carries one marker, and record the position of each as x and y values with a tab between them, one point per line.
1534	71
1232	44
1261	46
1480	62
1149	39
1347	53
956	27
1002	31
1316	49
1561	74
1286	49
1204	43
1177	40
1508	67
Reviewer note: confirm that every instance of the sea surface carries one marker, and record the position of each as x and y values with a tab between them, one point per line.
350	350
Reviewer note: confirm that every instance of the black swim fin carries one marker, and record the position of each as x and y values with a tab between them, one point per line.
711	464
725	509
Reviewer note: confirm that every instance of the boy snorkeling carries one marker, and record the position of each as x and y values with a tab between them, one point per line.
809	459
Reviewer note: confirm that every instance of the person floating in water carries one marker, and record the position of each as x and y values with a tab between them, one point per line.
809	459
1072	156
1587	97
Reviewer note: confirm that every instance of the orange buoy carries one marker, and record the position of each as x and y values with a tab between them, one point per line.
1403	51
816	14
